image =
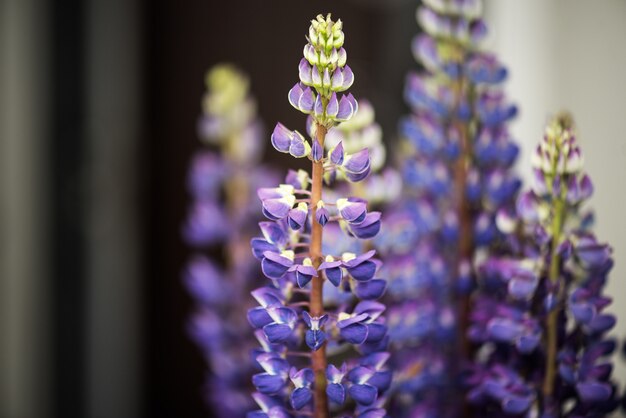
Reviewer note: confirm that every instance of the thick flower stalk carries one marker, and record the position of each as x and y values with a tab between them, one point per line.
319	307
457	156
546	331
222	179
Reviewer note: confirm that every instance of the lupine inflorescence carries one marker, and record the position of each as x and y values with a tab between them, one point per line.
220	283
319	307
457	156
540	317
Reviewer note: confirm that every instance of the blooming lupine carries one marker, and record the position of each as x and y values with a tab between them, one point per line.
457	156
319	307
230	127
542	318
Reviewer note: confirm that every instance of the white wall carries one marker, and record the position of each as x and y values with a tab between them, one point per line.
571	54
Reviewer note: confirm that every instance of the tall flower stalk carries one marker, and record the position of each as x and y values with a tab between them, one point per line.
541	319
222	178
324	302
457	157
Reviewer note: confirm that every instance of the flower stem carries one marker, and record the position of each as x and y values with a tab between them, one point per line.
553	315
464	212
465	249
318	358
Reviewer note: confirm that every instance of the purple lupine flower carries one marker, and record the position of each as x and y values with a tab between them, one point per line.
456	167
218	286
294	254
550	332
302	381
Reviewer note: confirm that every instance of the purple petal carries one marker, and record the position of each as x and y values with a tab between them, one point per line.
321	216
337	155
267	296
582	312
516	404
526	344
337	80
274	265
364	271
352	320
346	110
356	177
258	317
304	70
363	394
298	146
276	209
281	138
376	332
319	107
336	393
267	383
351	211
368	228
277	333
602	323
357	163
332	108
348	77
522	287
381	380
504	330
297	218
334	275
370	290
355	333
300	397
306	101
371	308
259	246
317	152
594	391
273	233
304	277
316	77
586	187
295	94
315	339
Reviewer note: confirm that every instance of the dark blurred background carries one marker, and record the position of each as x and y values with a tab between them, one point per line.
100	105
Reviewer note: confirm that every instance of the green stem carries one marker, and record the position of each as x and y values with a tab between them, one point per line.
553	316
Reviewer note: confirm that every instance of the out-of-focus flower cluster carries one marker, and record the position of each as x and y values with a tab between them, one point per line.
540	319
456	157
221	181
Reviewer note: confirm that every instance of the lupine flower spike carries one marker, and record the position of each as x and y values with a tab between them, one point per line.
543	311
318	304
456	158
230	127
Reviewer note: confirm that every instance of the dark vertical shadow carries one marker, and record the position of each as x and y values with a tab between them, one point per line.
67	239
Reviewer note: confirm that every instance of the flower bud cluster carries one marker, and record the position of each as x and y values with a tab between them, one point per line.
324	73
548	324
219	288
291	334
457	156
